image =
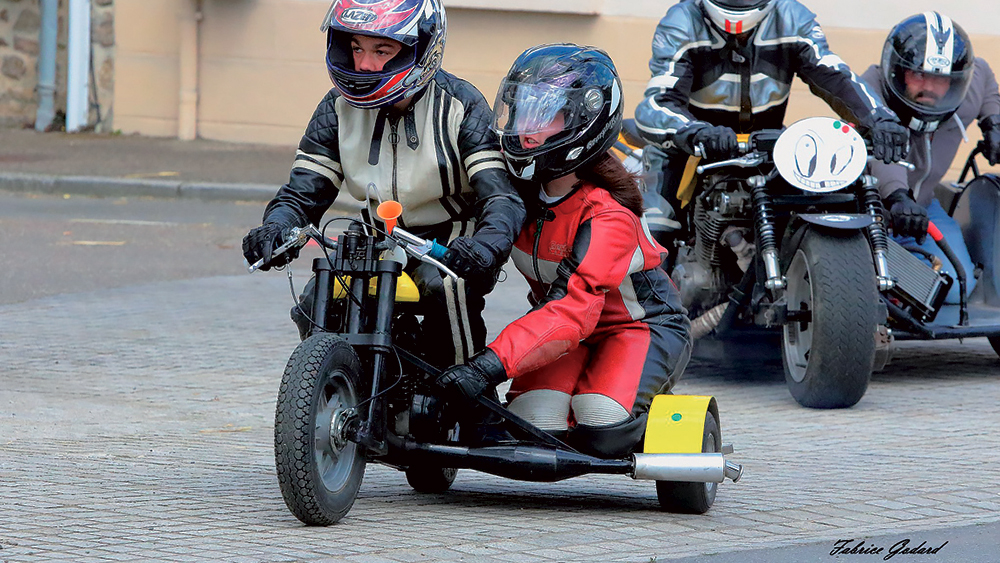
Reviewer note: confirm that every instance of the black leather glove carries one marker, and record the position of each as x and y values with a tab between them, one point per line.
716	142
890	140
991	138
466	382
908	217
473	261
261	241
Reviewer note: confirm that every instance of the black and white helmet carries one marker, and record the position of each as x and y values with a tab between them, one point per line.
927	46
736	16
578	84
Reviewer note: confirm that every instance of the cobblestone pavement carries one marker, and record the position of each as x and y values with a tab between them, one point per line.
137	425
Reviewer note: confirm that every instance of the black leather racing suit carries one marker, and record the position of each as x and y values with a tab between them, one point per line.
743	81
440	160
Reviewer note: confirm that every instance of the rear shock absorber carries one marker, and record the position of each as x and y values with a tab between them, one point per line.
876	232
764	220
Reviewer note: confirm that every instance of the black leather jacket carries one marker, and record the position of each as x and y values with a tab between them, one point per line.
700	74
438	158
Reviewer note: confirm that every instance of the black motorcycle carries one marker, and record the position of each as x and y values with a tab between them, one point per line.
358	390
788	236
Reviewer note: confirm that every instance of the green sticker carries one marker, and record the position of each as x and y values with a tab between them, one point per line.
676	416
836	125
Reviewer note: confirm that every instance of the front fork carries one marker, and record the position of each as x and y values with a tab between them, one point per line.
368	431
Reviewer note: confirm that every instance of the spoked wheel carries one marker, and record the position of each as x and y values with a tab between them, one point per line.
693	498
828	353
318	470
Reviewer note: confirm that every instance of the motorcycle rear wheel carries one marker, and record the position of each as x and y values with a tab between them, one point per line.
319	476
687	497
828	359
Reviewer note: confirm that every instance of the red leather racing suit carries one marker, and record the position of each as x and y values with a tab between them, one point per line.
607	319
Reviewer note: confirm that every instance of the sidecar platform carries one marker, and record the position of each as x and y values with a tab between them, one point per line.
984	320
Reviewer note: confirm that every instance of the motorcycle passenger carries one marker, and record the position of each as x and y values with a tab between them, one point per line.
930	77
606	331
422	137
722	67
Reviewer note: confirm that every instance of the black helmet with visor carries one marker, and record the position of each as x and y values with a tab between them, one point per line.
567	95
927	66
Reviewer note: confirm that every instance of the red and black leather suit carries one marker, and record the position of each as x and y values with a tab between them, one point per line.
606	318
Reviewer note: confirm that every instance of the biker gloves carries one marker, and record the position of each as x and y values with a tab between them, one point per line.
466	382
890	140
261	241
473	261
908	217
716	142
991	138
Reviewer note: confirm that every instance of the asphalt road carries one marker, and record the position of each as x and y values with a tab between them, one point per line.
67	244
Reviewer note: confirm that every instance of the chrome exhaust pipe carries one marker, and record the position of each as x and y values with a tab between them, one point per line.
697	468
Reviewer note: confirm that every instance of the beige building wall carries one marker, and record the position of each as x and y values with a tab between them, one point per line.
261	70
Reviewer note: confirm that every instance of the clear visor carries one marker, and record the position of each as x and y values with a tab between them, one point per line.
931	91
530	109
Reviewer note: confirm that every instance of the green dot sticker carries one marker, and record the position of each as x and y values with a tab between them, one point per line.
676	417
836	125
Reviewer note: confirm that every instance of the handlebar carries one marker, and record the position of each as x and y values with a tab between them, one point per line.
428	251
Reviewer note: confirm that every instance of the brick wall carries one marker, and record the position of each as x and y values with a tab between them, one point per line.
20	23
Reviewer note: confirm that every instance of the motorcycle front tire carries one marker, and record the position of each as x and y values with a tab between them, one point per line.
319	476
828	358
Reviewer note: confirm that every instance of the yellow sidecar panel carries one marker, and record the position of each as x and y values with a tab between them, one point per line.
406	290
676	424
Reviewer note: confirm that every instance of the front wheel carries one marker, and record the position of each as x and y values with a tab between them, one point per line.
828	354
693	498
319	472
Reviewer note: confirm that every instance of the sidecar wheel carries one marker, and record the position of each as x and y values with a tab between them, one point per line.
319	477
430	479
693	498
828	357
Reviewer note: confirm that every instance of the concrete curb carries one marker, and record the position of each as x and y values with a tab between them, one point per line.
129	187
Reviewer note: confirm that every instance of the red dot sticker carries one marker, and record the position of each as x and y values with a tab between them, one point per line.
845	129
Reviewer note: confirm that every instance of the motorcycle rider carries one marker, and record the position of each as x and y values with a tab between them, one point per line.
607	331
722	67
930	77
422	137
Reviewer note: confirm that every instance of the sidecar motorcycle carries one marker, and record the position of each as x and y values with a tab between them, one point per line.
916	300
358	390
783	246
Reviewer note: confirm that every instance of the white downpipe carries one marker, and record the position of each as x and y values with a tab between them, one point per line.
77	98
187	113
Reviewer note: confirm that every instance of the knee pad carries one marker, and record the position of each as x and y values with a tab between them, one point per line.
594	409
611	441
545	408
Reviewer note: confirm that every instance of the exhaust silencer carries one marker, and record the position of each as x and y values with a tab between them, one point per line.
697	468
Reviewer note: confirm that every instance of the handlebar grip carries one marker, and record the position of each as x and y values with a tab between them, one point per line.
437	250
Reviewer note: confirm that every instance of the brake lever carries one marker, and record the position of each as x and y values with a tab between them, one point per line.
298	236
745	161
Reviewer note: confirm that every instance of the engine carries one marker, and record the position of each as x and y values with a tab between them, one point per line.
721	221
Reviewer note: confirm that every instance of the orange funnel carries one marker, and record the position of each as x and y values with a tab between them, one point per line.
389	211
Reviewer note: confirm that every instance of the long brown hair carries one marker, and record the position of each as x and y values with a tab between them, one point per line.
609	173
